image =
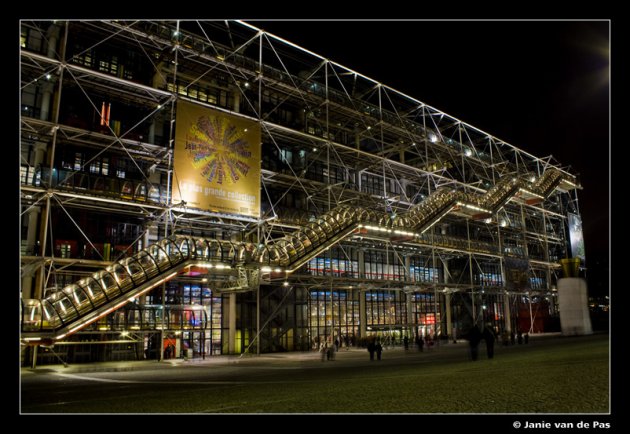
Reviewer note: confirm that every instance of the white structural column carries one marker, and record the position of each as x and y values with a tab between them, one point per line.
361	260
47	87
362	315
237	99
507	313
40	153
232	324
410	322
52	35
409	297
31	249
447	298
47	92
449	320
31	233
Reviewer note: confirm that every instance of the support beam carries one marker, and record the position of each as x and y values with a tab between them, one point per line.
47	92
53	37
362	315
410	321
232	324
361	260
449	320
506	313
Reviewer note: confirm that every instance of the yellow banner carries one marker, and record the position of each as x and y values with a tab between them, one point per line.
216	161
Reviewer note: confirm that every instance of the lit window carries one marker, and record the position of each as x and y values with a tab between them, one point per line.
94	167
24	174
66	250
78	161
105	166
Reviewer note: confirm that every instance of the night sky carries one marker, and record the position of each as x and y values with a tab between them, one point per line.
541	86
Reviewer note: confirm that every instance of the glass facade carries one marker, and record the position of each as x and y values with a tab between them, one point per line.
333	315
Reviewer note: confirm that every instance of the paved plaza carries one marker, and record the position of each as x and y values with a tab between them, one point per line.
551	374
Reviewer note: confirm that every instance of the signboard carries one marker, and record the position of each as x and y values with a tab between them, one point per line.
216	161
516	274
575	236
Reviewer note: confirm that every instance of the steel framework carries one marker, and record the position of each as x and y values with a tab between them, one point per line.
347	162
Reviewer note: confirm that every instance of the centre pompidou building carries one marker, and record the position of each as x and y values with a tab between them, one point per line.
191	188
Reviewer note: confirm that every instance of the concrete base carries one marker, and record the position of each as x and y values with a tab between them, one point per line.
573	305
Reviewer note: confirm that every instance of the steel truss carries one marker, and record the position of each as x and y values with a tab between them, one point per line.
352	129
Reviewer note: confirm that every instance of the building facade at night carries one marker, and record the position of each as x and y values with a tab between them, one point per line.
199	188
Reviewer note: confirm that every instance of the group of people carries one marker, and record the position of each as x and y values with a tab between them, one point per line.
475	336
509	338
375	347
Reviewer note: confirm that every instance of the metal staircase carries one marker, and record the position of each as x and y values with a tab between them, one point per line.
243	264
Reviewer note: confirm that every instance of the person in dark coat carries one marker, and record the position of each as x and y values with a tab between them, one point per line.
474	337
420	343
406	342
379	350
371	348
488	336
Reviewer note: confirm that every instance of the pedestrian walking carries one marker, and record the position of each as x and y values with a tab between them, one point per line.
371	347
379	350
488	336
474	337
420	343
